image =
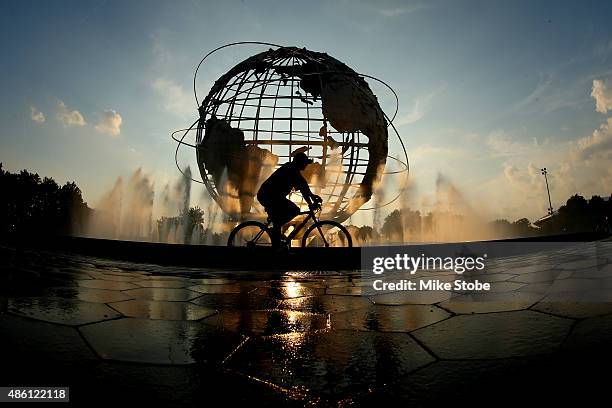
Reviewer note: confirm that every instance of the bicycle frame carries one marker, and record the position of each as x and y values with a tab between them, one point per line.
311	216
297	229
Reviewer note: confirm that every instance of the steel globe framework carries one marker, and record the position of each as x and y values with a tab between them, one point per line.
284	100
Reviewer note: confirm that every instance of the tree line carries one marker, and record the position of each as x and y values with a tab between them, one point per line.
577	215
30	204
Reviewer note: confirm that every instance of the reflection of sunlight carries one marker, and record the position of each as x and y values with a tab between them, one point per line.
292	318
292	343
292	289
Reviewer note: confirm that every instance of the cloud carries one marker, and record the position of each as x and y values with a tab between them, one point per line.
176	99
598	144
471	136
69	117
414	115
535	96
110	123
549	95
602	96
583	166
511	172
37	116
422	105
501	143
397	11
430	153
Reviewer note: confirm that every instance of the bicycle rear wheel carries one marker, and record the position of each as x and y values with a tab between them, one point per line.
327	234
250	234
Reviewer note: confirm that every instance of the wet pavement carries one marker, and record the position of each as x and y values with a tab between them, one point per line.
120	331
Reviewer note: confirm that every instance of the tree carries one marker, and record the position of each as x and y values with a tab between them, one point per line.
522	228
392	227
192	220
501	228
181	228
574	216
31	205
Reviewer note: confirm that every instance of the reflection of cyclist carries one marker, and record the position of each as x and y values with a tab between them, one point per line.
273	193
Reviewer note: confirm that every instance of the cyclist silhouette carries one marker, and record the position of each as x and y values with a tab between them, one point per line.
273	194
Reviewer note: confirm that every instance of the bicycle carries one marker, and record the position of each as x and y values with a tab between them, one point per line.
326	233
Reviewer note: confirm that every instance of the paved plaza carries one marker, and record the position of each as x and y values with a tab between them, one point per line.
118	331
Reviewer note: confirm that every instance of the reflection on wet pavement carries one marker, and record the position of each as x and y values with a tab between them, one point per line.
296	337
162	310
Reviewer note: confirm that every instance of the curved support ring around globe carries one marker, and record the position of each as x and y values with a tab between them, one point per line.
181	141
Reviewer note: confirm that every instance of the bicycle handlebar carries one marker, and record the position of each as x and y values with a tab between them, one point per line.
315	207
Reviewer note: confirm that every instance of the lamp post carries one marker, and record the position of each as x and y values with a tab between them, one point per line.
545	172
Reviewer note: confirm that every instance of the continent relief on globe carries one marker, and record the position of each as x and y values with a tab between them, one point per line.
237	169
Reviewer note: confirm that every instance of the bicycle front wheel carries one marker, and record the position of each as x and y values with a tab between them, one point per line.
250	234
327	234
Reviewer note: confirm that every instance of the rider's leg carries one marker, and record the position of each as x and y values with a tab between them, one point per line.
275	233
282	212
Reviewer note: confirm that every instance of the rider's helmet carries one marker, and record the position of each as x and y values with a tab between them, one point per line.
301	160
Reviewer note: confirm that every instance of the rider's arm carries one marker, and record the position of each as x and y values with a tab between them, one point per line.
302	185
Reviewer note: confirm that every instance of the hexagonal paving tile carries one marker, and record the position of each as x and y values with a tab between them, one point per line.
106	284
288	290
172	284
212	281
162	310
345	291
167	278
491	302
411	297
577	305
176	295
115	278
496	335
599	272
185	386
231	288
538	277
269	322
576	285
492	277
500	287
581	264
59	310
160	341
538	288
29	339
235	301
388	318
591	333
88	295
477	381
574	310
326	363
325	304
533	268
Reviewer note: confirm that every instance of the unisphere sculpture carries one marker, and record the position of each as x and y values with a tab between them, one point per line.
270	105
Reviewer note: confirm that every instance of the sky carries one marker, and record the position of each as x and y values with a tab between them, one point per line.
489	91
